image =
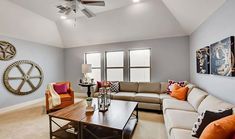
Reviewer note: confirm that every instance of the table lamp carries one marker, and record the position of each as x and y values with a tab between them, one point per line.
86	68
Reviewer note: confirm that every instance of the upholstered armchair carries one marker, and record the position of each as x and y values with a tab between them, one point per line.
66	98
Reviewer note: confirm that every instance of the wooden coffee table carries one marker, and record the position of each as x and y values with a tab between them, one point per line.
117	123
73	114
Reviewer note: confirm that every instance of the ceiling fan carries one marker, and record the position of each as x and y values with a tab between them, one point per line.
75	5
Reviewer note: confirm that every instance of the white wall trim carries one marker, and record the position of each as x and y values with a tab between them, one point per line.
20	105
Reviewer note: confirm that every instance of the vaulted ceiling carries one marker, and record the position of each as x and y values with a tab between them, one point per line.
118	21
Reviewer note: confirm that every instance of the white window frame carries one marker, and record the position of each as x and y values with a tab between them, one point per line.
140	67
85	61
106	67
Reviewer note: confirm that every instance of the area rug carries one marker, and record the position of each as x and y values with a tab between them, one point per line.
32	122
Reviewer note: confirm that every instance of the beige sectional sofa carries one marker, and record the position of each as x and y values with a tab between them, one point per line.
149	95
180	116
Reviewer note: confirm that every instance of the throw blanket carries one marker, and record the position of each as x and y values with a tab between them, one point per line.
54	100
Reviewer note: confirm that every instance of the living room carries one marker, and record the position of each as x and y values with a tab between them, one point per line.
162	69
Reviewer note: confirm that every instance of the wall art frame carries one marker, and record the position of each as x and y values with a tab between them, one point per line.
222	57
203	60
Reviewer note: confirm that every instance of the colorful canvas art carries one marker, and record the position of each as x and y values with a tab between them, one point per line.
222	57
203	60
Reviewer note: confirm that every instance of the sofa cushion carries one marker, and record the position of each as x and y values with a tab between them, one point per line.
179	92
128	86
166	96
67	83
178	133
206	118
147	97
172	82
190	87
149	87
223	128
102	84
180	119
124	96
212	103
114	86
196	96
149	106
60	88
177	105
164	86
65	97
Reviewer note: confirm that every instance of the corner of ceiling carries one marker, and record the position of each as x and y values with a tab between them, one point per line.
29	26
191	20
176	19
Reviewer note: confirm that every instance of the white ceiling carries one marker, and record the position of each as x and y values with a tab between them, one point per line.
47	8
20	23
146	20
123	20
191	13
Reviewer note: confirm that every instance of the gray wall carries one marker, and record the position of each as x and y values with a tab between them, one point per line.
219	26
50	59
169	58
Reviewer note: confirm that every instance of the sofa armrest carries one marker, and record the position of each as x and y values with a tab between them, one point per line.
47	94
71	93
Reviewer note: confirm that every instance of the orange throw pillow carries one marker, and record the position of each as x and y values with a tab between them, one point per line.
220	129
179	92
176	87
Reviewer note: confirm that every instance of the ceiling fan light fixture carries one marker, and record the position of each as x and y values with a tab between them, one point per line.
63	17
136	1
75	5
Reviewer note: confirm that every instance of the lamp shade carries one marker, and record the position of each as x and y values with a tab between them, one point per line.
86	68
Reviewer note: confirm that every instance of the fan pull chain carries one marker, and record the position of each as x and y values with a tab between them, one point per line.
75	22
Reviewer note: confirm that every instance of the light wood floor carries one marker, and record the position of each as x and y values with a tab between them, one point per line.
31	122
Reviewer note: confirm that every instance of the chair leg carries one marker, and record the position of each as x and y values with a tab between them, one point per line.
48	111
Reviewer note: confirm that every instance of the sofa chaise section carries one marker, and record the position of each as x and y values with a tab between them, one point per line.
180	116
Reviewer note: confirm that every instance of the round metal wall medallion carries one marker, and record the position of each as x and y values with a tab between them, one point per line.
7	50
29	76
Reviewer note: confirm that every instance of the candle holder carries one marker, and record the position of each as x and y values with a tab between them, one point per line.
108	95
104	99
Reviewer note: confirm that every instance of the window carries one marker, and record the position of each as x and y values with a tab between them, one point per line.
114	66
139	65
95	60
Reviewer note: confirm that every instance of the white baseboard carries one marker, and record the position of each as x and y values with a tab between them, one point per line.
21	105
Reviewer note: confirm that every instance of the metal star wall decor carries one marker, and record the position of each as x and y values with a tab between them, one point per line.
7	51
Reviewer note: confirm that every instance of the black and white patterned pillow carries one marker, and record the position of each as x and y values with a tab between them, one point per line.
114	87
206	118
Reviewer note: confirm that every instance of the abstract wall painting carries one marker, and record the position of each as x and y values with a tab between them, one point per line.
203	60
222	57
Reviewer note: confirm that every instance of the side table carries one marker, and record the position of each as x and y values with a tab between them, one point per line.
88	88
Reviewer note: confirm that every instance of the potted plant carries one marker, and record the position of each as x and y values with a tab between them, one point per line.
89	101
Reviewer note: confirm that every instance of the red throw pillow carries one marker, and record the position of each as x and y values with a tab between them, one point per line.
106	84
60	88
103	84
99	84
